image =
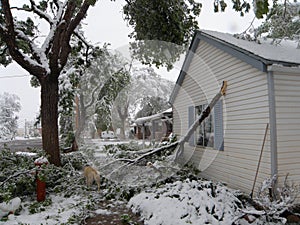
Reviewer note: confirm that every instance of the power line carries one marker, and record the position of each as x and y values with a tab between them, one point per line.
14	76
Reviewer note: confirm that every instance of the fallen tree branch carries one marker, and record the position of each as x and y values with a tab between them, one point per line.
149	153
16	175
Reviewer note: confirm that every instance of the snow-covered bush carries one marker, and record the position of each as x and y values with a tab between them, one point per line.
276	203
189	202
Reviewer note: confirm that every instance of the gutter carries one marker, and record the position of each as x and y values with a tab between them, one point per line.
284	69
273	125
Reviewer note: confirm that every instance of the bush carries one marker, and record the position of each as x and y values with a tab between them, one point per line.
17	175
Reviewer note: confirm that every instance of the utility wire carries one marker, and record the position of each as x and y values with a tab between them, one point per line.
14	76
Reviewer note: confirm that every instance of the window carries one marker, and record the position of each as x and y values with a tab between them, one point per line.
205	132
210	132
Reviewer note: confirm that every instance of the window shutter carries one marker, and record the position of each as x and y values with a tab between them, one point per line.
218	126
191	119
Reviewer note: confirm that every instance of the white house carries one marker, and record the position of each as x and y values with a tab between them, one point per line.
263	88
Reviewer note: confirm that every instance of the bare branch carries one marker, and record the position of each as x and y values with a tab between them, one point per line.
79	16
72	26
83	39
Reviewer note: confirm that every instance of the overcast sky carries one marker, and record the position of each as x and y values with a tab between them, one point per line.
104	23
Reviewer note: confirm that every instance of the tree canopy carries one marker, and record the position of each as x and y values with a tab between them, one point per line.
283	21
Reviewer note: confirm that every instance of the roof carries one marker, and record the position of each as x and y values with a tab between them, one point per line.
258	55
285	52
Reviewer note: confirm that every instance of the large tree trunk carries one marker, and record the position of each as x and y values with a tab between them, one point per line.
49	114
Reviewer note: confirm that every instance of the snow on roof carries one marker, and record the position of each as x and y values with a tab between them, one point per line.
157	116
286	51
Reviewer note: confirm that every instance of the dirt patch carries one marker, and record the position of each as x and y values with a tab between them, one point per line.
114	213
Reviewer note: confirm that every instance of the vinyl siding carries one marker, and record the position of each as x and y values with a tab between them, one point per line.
287	100
245	115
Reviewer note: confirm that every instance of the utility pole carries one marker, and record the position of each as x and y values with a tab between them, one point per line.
25	131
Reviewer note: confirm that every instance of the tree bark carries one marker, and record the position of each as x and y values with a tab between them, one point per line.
81	118
49	114
123	117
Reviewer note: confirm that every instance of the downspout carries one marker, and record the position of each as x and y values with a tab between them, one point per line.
273	127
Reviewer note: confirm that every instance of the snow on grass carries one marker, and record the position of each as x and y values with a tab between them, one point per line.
58	212
103	212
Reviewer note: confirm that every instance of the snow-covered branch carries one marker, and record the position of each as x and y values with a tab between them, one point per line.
9	35
40	13
57	18
38	54
82	38
93	95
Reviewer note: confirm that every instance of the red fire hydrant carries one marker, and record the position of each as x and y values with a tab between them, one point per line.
40	182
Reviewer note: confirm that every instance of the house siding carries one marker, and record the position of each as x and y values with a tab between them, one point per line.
287	101
245	116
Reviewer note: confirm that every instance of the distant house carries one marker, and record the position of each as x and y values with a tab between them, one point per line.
154	127
263	88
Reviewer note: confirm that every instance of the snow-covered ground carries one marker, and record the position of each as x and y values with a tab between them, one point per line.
187	201
58	212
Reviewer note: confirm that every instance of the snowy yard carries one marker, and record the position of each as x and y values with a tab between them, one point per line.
169	199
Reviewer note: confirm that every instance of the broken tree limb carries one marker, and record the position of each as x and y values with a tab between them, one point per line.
146	154
200	119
